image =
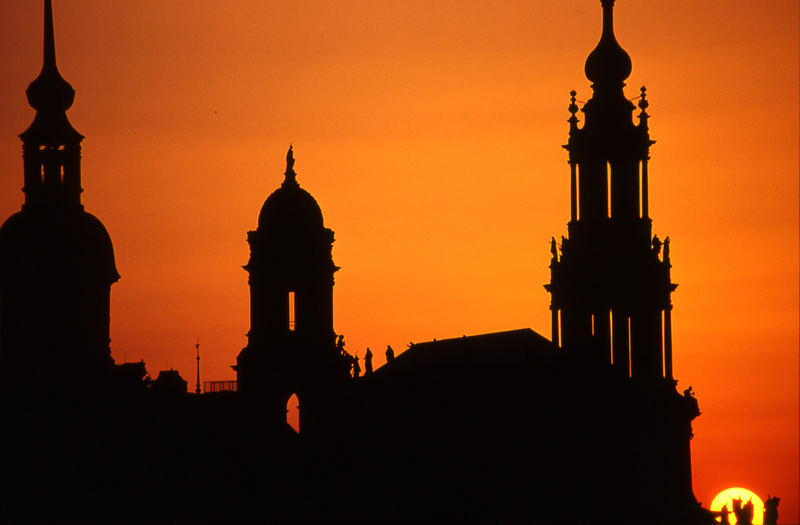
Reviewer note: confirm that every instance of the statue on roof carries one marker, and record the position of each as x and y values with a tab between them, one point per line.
368	362
289	160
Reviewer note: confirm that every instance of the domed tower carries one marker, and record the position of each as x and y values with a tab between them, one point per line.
611	285
291	344
56	261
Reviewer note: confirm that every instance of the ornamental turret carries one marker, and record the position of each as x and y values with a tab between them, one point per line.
611	284
291	345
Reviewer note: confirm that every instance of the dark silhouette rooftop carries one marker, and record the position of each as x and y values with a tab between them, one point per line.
505	427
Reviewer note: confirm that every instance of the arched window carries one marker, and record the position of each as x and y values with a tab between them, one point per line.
293	413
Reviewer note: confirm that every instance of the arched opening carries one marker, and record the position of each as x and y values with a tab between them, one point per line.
293	413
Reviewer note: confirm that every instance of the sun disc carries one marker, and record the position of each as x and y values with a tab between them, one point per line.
726	497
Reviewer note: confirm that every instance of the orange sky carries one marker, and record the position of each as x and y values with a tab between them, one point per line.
430	134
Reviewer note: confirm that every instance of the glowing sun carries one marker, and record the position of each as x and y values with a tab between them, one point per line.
725	500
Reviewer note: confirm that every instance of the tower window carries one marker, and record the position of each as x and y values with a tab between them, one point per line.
291	311
560	321
611	335
663	335
641	190
630	353
608	189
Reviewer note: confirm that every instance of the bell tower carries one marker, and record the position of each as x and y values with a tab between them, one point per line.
56	260
611	286
51	147
291	344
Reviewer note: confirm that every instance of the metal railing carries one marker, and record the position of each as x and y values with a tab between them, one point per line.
219	386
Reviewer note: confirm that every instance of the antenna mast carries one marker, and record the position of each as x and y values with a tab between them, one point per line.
197	386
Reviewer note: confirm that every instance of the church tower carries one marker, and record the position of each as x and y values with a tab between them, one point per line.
611	284
56	260
291	344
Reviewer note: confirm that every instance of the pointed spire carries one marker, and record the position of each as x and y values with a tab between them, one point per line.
197	389
49	53
608	65
290	174
50	92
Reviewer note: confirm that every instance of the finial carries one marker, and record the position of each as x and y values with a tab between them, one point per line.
643	105
573	108
290	174
608	65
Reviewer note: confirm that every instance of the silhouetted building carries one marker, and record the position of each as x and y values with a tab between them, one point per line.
291	343
505	427
611	286
169	383
56	260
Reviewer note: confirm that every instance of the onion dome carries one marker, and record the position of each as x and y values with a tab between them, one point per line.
290	208
36	247
608	65
50	95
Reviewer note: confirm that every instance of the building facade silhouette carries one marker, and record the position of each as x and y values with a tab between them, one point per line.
505	427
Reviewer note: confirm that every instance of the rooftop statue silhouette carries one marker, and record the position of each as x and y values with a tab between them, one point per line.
743	512
368	362
505	427
771	510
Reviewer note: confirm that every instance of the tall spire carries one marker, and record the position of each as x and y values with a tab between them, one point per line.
608	65
49	53
50	92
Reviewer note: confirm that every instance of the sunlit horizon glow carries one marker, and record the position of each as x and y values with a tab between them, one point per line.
726	497
430	134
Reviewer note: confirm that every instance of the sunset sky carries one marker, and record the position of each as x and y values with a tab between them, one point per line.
430	133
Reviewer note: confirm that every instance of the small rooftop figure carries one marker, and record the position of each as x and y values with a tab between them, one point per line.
553	249
356	367
743	513
771	510
368	362
291	176
340	344
656	245
389	354
290	160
